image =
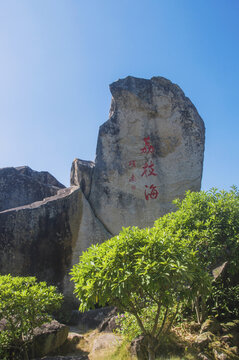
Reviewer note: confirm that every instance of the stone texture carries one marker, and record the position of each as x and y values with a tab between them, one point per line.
22	185
89	320
47	338
43	177
151	122
109	323
81	175
46	238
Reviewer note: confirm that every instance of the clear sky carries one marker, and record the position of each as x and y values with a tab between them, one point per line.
57	58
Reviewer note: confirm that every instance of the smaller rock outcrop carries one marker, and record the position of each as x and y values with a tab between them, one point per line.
47	338
81	175
43	177
22	186
109	324
91	319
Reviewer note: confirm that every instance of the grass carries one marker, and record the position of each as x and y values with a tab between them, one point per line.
121	353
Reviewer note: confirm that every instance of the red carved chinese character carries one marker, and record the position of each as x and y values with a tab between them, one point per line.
132	163
148	148
148	169
153	194
133	187
132	178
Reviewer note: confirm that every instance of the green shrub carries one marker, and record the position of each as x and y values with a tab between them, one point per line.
24	305
209	221
138	270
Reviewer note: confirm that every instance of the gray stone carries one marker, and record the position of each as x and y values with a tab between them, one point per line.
91	319
149	152
47	338
81	175
109	323
45	238
43	177
22	185
71	345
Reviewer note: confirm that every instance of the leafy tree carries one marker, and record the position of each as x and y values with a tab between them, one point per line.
138	269
209	221
24	305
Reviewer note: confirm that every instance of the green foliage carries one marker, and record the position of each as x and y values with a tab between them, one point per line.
168	265
137	270
134	268
224	300
24	305
209	221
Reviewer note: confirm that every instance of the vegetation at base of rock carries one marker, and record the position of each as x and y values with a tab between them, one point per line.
24	305
152	273
140	269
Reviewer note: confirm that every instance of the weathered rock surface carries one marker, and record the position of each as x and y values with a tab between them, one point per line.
81	175
109	323
22	185
149	152
47	338
46	238
89	320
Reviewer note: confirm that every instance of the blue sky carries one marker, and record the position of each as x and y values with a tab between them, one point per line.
57	58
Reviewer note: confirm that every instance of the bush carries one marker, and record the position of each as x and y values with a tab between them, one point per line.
209	221
24	305
138	270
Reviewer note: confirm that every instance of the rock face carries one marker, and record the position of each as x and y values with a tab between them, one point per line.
47	338
22	185
81	175
149	152
46	238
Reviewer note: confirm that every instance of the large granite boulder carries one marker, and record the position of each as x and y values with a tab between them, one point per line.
149	152
22	185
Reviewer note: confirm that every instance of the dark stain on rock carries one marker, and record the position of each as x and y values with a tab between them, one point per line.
164	146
